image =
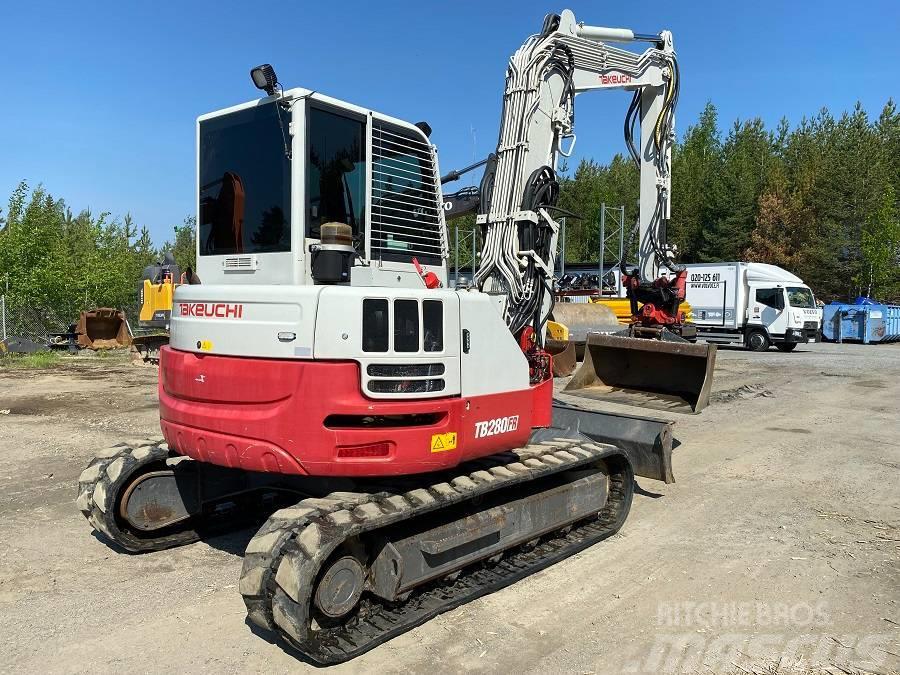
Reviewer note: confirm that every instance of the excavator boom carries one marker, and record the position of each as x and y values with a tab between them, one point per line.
516	204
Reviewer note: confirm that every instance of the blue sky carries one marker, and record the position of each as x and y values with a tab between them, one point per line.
100	98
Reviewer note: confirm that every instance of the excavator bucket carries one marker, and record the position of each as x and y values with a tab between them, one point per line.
103	329
558	346
579	319
563	353
659	374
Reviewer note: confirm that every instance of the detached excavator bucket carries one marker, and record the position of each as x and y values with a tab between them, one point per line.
659	374
582	318
557	344
563	353
579	319
103	329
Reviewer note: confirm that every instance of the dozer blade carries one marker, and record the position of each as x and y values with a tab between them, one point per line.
563	353
647	441
659	374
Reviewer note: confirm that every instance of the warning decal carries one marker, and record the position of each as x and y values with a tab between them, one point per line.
443	442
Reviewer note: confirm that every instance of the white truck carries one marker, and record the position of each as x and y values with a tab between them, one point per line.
754	304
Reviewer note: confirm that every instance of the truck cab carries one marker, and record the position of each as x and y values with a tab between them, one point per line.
781	314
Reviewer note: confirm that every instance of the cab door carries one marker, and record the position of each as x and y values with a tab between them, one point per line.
766	309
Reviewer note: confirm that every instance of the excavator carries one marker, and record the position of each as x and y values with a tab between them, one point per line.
156	292
399	438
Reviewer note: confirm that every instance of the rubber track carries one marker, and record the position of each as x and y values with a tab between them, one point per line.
106	476
283	559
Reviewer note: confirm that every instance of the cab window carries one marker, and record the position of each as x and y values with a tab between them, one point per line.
770	297
801	297
245	191
336	172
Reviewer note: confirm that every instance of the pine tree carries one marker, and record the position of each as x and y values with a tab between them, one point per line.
696	185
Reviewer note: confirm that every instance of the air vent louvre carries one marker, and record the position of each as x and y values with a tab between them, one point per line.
240	263
406	386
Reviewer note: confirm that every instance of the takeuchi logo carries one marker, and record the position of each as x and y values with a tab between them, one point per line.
219	310
615	78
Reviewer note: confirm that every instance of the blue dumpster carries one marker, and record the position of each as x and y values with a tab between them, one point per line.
864	320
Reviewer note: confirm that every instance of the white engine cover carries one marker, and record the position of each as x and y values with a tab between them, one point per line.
246	320
477	355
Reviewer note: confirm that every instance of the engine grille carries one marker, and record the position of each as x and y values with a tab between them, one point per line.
406	216
405	378
405	370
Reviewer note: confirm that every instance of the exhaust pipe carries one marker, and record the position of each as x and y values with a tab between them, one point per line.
664	375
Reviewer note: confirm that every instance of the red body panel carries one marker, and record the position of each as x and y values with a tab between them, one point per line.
269	415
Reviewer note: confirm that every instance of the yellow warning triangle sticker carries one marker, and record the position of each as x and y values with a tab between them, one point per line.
443	442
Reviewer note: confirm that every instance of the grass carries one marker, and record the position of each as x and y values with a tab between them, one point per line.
36	361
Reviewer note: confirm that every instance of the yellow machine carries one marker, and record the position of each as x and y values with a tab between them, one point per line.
155	294
156	303
557	331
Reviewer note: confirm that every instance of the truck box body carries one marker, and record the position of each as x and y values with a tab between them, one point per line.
731	300
715	292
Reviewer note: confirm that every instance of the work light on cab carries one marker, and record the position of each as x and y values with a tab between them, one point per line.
264	78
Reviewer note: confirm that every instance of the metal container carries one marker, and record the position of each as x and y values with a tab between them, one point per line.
865	320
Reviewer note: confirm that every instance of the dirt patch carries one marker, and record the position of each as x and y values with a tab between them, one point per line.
746	391
789	430
870	384
778	544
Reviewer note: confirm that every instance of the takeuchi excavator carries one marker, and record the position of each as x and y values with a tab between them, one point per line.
399	437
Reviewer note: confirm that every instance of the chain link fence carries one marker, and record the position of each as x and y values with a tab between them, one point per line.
38	323
34	323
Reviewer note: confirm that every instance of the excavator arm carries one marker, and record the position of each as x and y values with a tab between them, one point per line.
516	204
519	190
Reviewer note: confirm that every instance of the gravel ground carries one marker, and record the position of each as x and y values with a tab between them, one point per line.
778	549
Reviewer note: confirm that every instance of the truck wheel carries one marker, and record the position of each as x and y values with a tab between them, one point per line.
785	346
757	341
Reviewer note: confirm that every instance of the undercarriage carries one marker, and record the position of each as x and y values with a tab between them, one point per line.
145	348
341	566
